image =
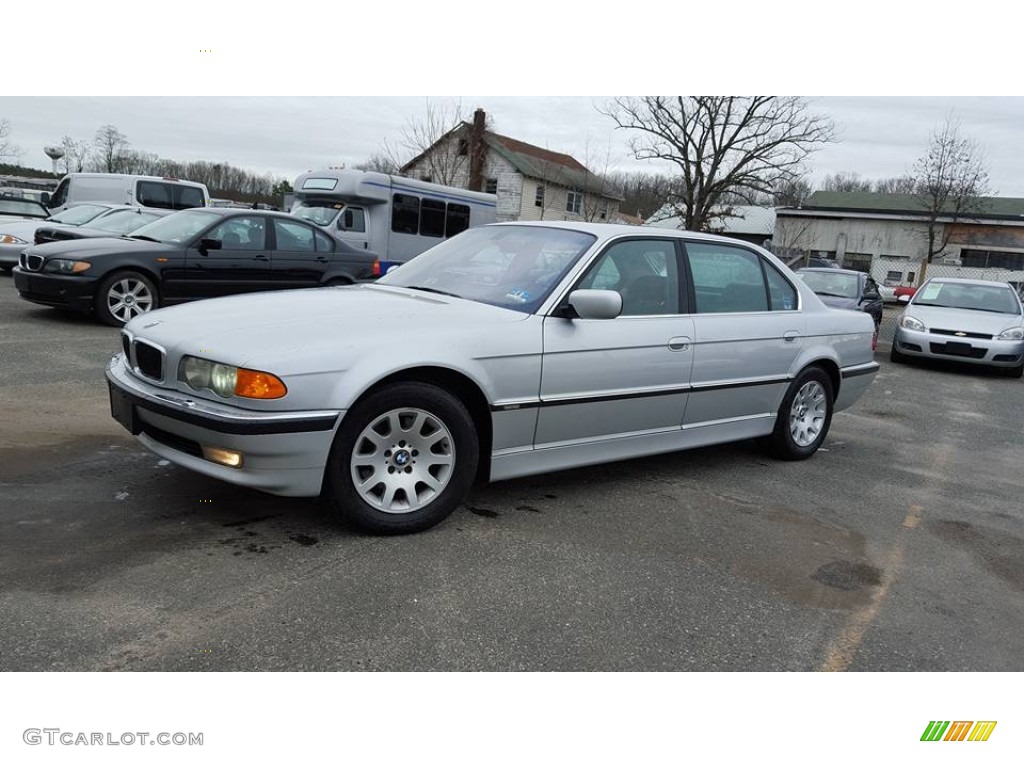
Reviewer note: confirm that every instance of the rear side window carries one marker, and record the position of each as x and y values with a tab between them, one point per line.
188	197
292	236
155	194
432	218
324	244
726	279
783	295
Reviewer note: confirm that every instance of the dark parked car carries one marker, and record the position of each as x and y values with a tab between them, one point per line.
845	289
192	254
113	223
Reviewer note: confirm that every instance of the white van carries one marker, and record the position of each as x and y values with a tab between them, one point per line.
125	189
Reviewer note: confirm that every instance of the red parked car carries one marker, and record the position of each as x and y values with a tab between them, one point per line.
902	293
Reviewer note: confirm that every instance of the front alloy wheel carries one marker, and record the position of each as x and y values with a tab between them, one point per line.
124	296
403	460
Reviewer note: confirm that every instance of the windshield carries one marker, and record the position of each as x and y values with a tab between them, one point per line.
23	208
123	222
981	298
507	266
79	214
832	283
320	212
179	227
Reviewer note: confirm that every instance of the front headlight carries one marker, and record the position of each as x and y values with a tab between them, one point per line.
911	323
66	266
12	240
1012	334
227	380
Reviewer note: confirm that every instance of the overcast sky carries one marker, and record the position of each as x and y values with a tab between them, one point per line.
878	136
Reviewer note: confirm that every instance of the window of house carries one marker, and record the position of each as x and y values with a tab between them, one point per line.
432	218
990	259
538	199
491	188
463	147
727	279
457	219
893	276
604	209
427	178
405	214
574	201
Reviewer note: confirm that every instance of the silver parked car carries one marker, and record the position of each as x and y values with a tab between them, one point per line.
508	350
974	321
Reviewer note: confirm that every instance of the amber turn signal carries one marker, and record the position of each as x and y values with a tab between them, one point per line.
259	385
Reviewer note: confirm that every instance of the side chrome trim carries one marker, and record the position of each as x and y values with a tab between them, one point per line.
732	420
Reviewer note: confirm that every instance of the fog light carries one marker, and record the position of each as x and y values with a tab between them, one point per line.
223	456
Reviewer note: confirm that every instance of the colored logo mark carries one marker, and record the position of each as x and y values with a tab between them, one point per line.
958	730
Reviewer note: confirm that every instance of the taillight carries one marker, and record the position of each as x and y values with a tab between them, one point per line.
375	271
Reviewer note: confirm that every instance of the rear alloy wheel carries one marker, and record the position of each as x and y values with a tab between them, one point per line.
403	460
124	296
804	417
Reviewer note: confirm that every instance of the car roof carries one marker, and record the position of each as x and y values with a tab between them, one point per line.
605	231
832	269
968	281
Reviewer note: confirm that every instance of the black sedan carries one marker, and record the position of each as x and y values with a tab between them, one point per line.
845	289
192	254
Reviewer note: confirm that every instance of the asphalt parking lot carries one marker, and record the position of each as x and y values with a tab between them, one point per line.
900	546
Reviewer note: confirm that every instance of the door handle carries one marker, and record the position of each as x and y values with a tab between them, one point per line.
790	336
261	257
322	259
679	343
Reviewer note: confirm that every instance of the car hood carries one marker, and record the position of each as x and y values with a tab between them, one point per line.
967	320
303	330
101	246
23	229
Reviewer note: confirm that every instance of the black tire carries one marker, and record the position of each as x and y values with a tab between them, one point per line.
895	355
413	398
781	443
124	282
1014	373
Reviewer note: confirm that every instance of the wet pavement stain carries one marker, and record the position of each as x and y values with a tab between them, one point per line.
303	540
482	511
1000	552
527	508
847	576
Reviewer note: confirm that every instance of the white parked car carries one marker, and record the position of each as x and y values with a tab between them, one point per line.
508	350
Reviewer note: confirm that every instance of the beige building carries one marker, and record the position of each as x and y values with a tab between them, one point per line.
531	183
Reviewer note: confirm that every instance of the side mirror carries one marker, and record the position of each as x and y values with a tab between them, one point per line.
45	198
209	244
593	304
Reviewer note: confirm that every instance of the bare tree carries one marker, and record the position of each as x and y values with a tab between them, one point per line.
950	179
644	193
449	159
8	150
846	181
109	146
790	192
741	144
897	185
380	162
75	154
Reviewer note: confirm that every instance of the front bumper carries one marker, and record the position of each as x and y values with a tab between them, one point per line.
68	291
284	452
9	254
1002	354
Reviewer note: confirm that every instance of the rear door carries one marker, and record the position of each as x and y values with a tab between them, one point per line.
748	331
296	262
240	265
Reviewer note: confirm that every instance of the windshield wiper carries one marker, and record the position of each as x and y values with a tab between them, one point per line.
432	290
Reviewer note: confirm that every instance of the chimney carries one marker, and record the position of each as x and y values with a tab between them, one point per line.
477	150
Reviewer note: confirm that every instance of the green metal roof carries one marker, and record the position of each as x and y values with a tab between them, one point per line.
880	202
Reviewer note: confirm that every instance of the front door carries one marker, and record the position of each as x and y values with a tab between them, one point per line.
629	375
240	265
